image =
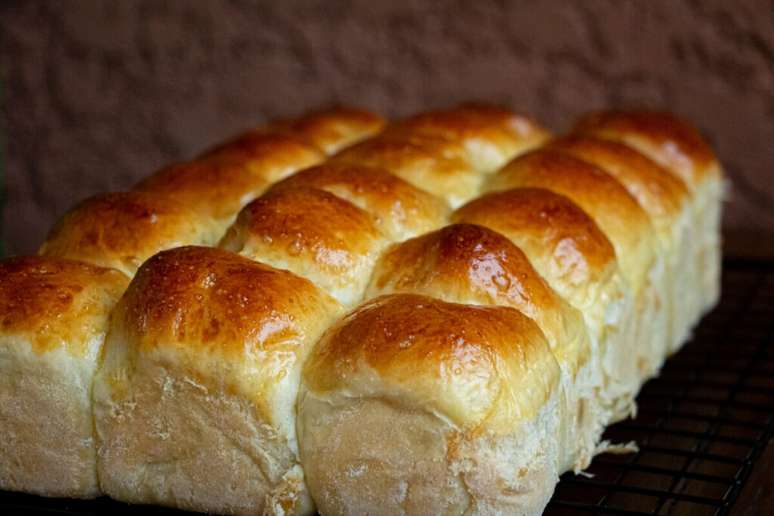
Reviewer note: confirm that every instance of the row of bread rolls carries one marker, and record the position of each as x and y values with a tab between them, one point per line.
328	224
55	309
410	403
512	331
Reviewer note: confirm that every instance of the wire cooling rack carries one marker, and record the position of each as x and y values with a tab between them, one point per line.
702	424
700	428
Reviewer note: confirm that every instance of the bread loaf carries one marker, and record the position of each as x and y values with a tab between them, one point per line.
436	315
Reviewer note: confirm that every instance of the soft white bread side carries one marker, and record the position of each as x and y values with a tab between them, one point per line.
53	320
465	263
414	405
194	400
679	148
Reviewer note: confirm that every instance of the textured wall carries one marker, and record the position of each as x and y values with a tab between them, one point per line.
99	93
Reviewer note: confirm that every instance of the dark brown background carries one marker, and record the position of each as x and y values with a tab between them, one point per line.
99	93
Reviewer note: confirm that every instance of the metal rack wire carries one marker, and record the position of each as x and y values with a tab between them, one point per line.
701	425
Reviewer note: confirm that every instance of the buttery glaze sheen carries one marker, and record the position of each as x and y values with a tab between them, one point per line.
611	206
668	140
465	263
207	340
400	209
546	224
122	230
271	156
476	365
212	299
433	164
486	359
55	303
660	194
314	234
217	187
491	135
54	315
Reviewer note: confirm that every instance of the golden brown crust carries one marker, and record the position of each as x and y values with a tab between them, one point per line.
549	224
477	365
121	230
56	302
660	193
599	194
467	263
663	137
433	164
218	187
400	209
309	223
332	129
210	299
491	134
268	155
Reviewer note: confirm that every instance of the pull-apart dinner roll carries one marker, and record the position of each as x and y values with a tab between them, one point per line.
465	263
400	209
194	402
312	233
623	221
434	164
53	320
332	129
122	230
438	315
269	155
330	223
666	200
576	259
678	147
216	188
491	135
418	406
